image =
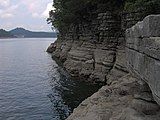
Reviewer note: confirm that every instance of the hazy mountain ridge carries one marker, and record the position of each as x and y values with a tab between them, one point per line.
5	34
23	33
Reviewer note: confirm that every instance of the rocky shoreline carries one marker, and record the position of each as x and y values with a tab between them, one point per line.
129	68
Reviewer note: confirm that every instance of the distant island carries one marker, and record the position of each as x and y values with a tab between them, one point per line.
5	34
23	33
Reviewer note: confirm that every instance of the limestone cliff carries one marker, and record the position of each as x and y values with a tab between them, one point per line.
92	49
129	67
91	53
143	50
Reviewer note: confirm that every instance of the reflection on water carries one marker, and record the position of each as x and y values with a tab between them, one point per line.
33	86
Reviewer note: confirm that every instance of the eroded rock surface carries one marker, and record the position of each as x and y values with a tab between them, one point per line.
102	58
143	52
126	98
92	54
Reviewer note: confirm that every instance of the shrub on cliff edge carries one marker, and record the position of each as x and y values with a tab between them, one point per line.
149	6
73	12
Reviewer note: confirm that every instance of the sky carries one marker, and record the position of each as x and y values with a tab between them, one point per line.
29	14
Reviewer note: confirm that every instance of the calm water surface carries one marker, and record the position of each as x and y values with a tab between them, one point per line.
33	86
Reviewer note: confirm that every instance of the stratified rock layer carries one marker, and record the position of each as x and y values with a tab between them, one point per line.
143	52
106	57
92	54
126	99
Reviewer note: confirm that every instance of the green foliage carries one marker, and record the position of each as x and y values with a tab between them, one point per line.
150	6
68	12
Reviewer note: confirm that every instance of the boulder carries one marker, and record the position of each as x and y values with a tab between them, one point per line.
143	52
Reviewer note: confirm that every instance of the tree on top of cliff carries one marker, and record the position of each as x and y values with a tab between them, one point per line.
69	12
149	6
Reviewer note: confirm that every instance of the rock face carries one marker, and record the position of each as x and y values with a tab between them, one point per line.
129	67
143	52
51	48
126	99
92	49
130	96
92	54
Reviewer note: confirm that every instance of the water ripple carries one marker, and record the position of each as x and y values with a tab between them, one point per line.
33	86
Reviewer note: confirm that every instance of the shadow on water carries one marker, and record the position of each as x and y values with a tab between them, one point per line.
67	93
33	86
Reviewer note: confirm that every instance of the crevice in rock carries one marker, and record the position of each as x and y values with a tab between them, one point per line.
143	53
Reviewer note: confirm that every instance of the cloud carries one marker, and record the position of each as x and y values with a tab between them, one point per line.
46	11
31	5
34	5
35	15
17	11
8	12
38	8
42	14
7	15
4	3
